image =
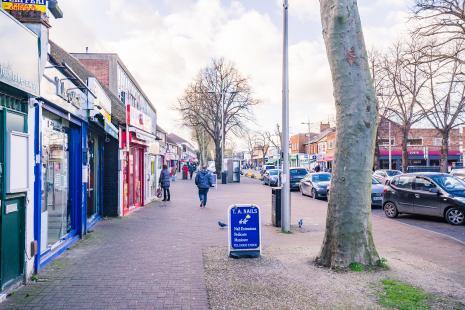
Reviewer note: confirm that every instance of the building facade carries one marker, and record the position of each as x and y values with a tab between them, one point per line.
139	147
19	86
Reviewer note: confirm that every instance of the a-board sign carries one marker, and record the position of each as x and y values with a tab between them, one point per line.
244	233
214	180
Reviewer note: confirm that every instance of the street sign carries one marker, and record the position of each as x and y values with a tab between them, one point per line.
244	233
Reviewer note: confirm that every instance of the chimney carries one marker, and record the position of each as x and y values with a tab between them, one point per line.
324	126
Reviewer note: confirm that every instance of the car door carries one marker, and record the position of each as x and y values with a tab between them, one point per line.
425	202
403	194
304	185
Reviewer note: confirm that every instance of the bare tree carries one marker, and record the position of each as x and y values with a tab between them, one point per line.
384	96
444	19
203	141
348	237
443	101
406	82
218	95
262	144
274	138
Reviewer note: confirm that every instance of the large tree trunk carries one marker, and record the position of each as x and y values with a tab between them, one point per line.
348	236
405	132
445	151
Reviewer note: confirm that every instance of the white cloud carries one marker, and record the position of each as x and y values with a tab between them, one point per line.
165	49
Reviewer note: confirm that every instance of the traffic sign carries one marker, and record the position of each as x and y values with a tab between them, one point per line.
244	231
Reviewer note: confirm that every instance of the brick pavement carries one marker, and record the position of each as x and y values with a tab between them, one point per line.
153	258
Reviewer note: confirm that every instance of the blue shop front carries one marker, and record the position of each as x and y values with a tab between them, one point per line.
60	154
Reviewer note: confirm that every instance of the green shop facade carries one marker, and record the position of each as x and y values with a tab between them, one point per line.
19	84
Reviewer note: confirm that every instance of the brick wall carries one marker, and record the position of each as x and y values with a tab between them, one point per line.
100	68
297	143
428	136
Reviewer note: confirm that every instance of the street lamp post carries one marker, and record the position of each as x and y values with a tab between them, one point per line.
286	201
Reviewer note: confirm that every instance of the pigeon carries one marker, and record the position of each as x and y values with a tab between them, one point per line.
300	223
221	224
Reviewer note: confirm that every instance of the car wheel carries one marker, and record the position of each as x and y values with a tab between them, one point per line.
390	210
314	194
454	216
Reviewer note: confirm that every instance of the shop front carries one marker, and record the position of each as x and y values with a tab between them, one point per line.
152	171
101	134
19	83
61	163
427	156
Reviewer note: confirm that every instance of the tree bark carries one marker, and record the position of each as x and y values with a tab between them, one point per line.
405	132
348	237
218	157
444	151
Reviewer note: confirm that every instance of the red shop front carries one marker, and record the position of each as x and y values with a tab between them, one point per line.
133	172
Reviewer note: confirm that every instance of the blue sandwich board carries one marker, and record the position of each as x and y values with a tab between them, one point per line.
244	233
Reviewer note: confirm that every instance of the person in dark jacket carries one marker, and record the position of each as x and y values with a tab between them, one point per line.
165	182
203	180
192	168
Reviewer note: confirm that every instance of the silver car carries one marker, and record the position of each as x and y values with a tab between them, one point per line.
384	175
377	192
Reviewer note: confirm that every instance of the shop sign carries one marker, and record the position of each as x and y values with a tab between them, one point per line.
102	103
25	5
19	62
139	119
244	231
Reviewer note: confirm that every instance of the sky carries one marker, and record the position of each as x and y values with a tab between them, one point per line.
165	43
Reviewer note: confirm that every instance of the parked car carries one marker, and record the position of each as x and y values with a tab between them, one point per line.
428	193
384	175
295	176
315	184
459	173
271	177
265	168
377	192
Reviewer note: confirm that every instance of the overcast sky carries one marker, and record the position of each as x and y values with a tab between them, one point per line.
165	43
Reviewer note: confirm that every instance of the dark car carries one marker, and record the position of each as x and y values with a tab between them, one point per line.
270	177
315	184
295	176
434	194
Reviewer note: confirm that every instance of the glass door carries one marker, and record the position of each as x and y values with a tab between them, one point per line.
93	180
56	204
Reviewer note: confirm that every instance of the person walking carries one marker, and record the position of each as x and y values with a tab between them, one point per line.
185	172
165	182
203	180
192	168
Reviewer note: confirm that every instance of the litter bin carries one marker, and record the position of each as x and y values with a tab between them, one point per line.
224	177
276	206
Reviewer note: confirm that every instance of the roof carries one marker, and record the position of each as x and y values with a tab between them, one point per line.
323	134
161	130
121	63
177	139
59	56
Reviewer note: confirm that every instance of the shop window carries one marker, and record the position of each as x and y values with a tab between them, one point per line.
385	142
415	142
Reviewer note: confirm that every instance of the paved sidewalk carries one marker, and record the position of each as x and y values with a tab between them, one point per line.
152	259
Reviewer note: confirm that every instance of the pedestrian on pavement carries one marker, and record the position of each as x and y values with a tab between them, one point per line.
173	173
192	168
185	172
317	168
203	180
165	182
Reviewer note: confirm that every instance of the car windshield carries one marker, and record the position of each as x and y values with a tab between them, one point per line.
449	183
273	171
324	177
392	173
298	172
374	181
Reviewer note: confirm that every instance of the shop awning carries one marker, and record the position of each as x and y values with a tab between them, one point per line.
110	129
142	135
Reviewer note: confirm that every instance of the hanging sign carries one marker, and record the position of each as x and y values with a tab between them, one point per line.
244	231
25	5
